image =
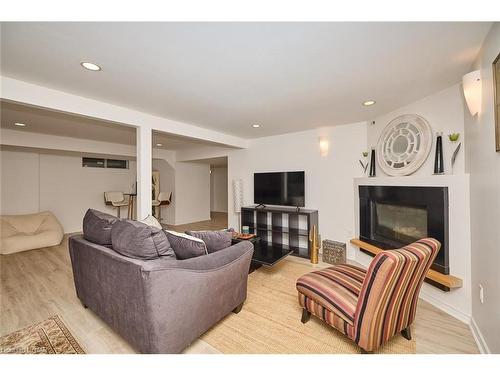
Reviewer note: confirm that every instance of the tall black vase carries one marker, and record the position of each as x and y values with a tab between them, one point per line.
372	164
438	159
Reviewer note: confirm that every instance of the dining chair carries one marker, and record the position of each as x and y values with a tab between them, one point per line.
116	199
164	199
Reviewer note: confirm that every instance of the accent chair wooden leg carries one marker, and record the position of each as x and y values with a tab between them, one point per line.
406	333
363	351
238	308
306	315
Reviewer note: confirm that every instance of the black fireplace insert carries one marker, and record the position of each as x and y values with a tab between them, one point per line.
394	216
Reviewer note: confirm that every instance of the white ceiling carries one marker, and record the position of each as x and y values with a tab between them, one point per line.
228	76
43	121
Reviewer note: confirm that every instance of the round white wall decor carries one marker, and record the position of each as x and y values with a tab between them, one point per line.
404	145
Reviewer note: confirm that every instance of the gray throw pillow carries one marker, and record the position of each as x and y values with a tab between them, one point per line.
186	246
97	227
140	241
215	240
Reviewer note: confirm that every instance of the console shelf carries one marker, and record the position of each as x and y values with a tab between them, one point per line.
270	228
282	227
439	280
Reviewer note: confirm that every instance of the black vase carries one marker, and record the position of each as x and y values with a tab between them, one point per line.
438	159
372	164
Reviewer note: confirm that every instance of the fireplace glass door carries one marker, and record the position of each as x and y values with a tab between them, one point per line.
394	216
399	224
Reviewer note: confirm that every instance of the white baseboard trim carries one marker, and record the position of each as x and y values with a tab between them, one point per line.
478	336
460	315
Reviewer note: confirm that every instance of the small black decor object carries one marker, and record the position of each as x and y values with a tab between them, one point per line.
372	164
438	160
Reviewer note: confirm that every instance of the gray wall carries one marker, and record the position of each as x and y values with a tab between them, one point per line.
218	189
483	164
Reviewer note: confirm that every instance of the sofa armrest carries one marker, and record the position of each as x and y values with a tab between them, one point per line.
186	298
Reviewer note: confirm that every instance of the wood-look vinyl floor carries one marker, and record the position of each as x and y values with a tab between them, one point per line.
39	283
218	221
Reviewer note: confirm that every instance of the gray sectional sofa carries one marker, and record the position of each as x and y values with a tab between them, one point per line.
158	305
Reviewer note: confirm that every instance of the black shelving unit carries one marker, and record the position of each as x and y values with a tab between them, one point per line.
279	227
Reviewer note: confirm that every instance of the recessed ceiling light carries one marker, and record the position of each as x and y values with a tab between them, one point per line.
255	126
159	144
369	103
19	124
90	66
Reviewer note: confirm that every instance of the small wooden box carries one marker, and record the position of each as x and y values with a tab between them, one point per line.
334	252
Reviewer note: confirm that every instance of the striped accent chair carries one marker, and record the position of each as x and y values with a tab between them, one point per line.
370	306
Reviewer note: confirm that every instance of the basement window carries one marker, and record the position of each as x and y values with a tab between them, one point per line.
104	163
93	163
115	163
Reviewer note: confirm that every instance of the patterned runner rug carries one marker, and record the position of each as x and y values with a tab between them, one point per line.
48	337
270	321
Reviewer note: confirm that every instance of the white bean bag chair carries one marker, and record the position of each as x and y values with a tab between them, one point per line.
27	232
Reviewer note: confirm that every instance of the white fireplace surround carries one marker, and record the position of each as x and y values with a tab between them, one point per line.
457	302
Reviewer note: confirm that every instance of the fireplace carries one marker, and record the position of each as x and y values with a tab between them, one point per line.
394	216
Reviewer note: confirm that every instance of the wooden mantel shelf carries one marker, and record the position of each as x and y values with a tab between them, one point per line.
444	282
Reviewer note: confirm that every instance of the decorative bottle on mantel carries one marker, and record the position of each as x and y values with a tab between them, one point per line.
438	159
372	164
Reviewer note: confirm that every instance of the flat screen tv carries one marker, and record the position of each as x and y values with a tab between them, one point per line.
279	188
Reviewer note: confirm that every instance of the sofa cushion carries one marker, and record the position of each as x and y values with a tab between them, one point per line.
140	241
215	240
97	227
186	246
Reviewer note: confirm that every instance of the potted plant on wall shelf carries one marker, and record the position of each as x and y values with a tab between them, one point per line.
364	164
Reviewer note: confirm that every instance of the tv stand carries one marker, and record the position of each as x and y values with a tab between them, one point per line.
282	227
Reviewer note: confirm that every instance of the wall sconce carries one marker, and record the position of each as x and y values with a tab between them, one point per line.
472	91
324	146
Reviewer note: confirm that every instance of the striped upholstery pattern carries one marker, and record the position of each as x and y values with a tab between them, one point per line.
336	288
386	300
326	315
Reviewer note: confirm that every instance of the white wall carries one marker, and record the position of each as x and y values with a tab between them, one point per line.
163	160
483	164
192	202
218	189
328	180
457	301
68	190
19	183
34	182
444	112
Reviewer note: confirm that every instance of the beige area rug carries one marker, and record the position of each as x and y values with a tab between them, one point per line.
270	321
48	337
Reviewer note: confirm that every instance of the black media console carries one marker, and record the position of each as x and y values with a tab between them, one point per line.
284	228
